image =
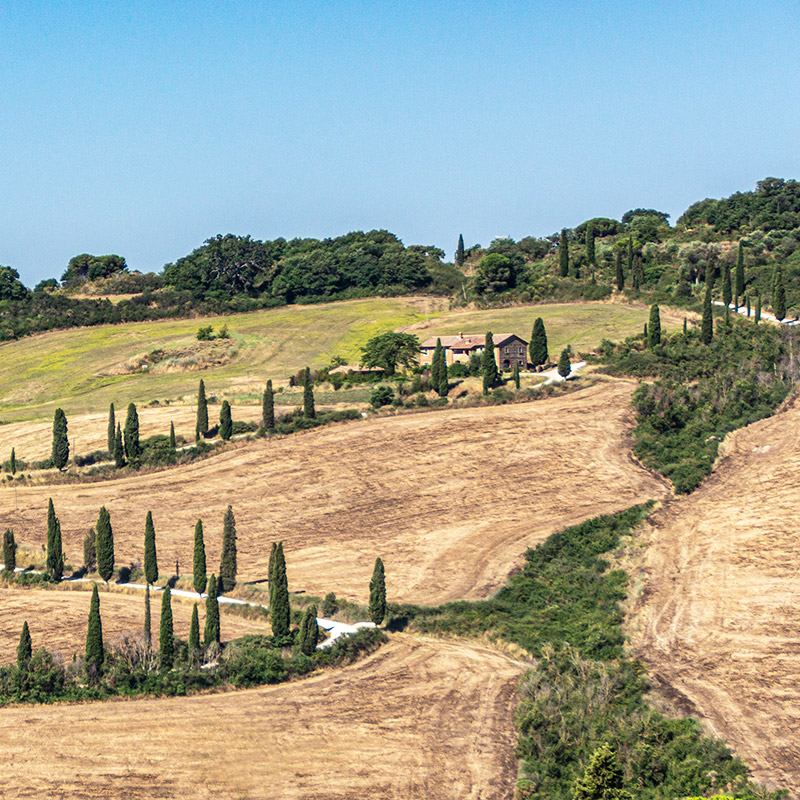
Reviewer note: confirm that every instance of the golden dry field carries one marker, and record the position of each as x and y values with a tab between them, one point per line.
396	724
449	499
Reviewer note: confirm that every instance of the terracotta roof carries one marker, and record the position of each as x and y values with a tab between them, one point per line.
469	341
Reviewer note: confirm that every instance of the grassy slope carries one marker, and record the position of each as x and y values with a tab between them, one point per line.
67	367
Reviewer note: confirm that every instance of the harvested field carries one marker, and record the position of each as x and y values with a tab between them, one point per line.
449	499
418	720
718	618
57	618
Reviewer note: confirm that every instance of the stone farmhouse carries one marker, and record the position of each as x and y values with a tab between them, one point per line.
510	350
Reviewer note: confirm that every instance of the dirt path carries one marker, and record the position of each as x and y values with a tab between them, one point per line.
718	620
449	499
417	720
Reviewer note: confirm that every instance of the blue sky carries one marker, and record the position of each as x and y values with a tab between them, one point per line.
143	128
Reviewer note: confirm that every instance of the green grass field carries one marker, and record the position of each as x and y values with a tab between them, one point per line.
79	369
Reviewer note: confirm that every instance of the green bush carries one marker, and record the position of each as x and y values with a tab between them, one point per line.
381	396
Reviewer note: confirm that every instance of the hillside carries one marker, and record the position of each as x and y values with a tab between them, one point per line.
450	499
716	617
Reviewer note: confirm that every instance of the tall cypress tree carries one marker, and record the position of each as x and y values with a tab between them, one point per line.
707	326
133	449
172	443
279	611
9	552
620	277
270	568
24	648
757	313
166	635
12	464
148	632
377	593
211	632
564	366
439	370
747	301
60	452
55	553
194	633
590	250
119	449
779	298
268	408
94	636
538	345
89	551
112	429
309	412
51	533
104	545
460	251
309	632
489	364
201	427
227	567
563	254
515	375
739	274
630	255
727	295
638	272
199	561
225	421
150	557
654	327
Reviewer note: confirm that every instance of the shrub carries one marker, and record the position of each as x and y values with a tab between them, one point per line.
381	396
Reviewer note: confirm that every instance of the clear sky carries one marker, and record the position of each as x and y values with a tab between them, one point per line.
142	128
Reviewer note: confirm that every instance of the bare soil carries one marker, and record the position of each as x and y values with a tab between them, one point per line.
418	719
717	617
449	499
57	618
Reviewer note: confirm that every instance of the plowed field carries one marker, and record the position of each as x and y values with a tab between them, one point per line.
449	499
417	720
719	617
57	619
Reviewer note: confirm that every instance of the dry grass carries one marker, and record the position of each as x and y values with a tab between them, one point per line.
57	618
450	499
718	616
418	720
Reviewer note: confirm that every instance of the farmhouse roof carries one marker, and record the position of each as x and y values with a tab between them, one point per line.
470	340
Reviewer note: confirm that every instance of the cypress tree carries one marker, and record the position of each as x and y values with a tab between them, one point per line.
726	285
707	328
104	545
89	551
201	426
268	408
515	375
133	449
13	461
309	411
150	558
60	452
638	272
603	779
747	300
227	567
279	611
55	553
564	366
439	370
538	345
112	429
172	443
94	636
684	327
166	636
654	327
563	254
489	364
740	273
460	251
645	332
757	314
270	568
779	301
51	532
620	273
194	632
590	250
377	593
225	421
199	562
309	633
148	633
630	255
119	450
211	632
9	552
24	648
